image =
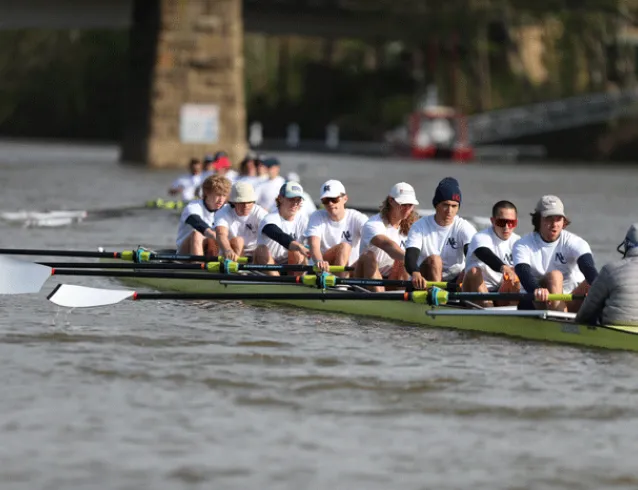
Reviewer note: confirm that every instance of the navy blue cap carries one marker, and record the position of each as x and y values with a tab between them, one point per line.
447	190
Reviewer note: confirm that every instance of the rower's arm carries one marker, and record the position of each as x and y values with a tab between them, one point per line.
276	234
389	246
587	267
489	258
223	243
528	281
412	259
196	222
315	248
592	307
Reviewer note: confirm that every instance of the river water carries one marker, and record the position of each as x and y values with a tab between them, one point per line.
170	395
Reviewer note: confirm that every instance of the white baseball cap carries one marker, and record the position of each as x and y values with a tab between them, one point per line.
291	189
550	206
332	188
293	176
242	192
403	193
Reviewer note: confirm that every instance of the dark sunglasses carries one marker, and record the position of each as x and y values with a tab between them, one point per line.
502	222
333	200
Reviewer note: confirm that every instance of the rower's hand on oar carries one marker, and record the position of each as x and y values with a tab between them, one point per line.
418	281
298	247
541	295
231	255
323	265
509	274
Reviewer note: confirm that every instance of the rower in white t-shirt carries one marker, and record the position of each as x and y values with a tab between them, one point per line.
383	238
437	244
195	233
237	225
334	233
553	260
307	205
281	234
185	187
268	190
219	164
489	266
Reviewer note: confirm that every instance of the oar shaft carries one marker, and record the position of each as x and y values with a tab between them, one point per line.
273	296
123	265
61	253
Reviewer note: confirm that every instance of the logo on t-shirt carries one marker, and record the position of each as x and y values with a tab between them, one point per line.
402	244
508	258
453	243
249	226
560	258
347	236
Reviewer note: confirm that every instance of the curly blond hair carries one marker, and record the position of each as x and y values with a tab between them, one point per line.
405	224
216	184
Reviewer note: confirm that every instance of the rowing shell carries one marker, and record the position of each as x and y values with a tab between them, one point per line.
539	325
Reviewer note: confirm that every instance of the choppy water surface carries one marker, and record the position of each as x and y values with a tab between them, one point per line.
169	395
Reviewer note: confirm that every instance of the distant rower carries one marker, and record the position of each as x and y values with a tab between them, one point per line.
186	186
551	259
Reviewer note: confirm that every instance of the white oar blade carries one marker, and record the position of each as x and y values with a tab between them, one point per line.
83	297
21	277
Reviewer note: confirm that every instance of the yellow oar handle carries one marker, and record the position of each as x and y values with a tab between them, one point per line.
240	260
217	266
560	297
127	255
332	269
437	284
441	297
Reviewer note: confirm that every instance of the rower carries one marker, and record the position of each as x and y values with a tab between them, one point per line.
248	169
195	234
281	234
237	224
223	167
334	232
268	190
307	206
489	265
186	186
612	297
437	244
551	259
382	250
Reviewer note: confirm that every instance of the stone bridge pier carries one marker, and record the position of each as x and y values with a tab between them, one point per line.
186	86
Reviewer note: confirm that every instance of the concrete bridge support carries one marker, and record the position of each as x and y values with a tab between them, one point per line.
186	89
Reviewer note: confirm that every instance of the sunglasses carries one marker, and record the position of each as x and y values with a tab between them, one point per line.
502	222
333	200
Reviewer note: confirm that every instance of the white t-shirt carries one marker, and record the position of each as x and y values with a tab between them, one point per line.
446	241
189	184
501	248
241	226
373	227
561	255
332	233
268	191
294	228
199	209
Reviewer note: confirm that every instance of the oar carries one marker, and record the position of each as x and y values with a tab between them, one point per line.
134	255
207	266
20	277
83	297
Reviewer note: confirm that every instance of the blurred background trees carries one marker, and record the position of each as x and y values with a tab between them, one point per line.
480	54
